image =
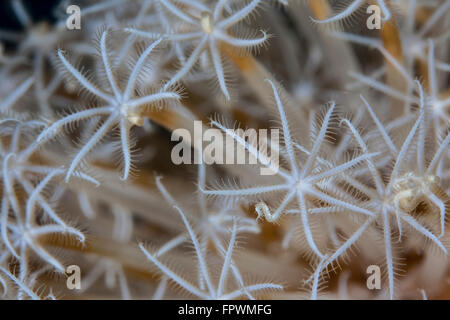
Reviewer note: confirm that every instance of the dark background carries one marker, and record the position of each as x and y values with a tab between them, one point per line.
38	9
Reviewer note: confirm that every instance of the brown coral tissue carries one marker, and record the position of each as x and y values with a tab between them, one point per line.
225	149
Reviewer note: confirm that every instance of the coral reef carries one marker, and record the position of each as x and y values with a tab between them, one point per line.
347	197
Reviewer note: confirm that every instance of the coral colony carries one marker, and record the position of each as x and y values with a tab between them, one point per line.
226	149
